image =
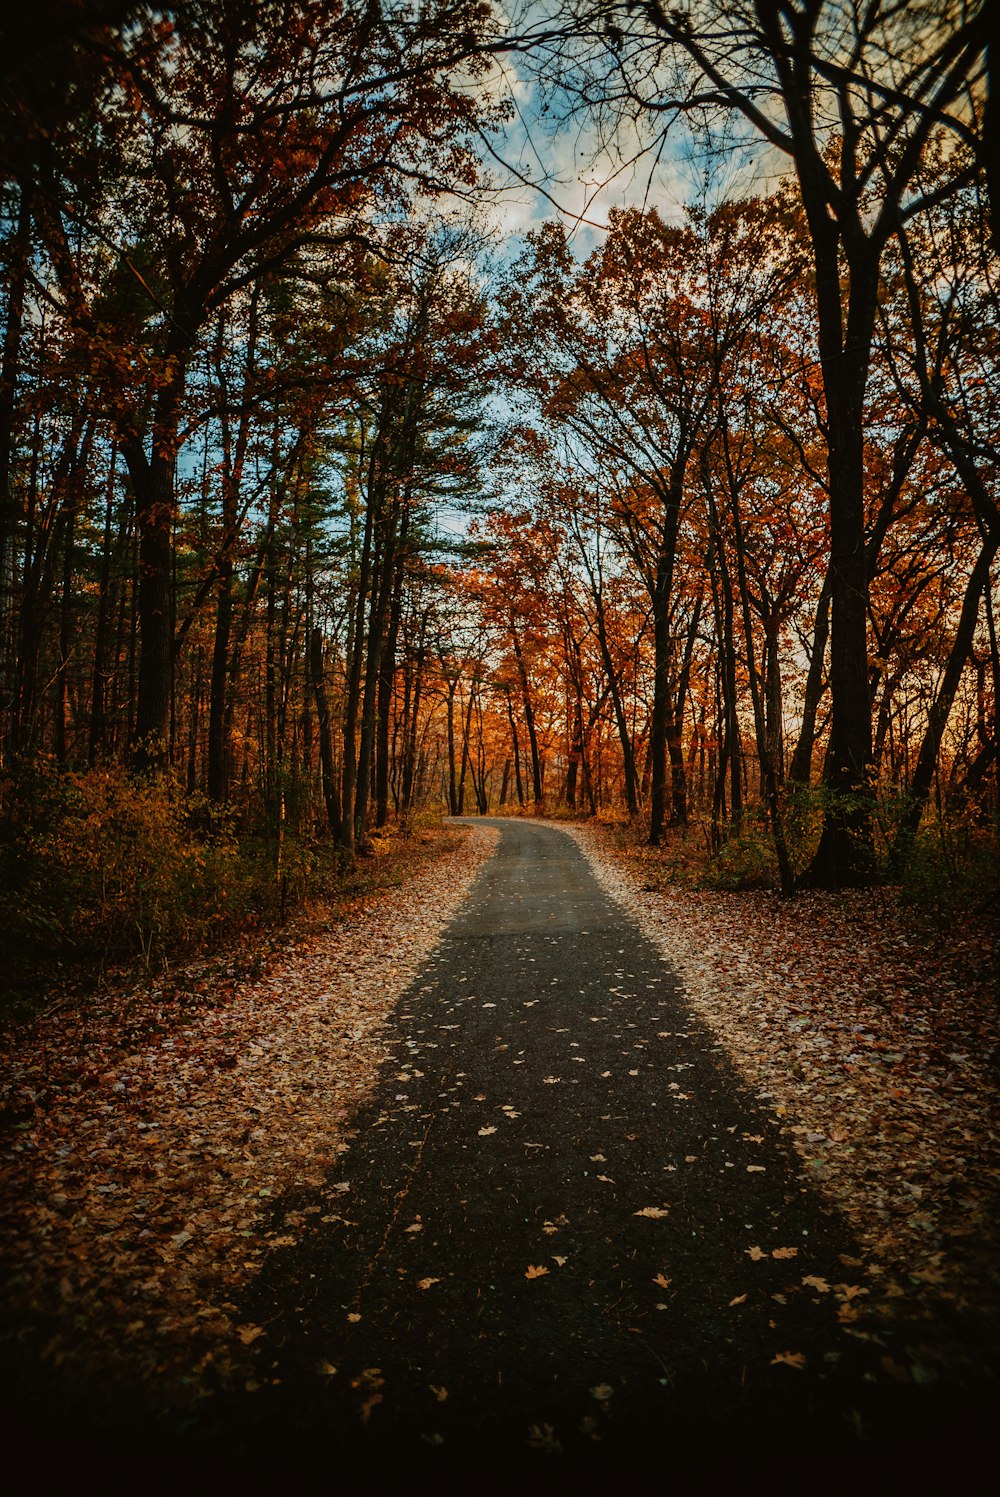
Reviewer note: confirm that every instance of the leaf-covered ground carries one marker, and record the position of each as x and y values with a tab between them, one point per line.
877	1043
148	1134
161	1142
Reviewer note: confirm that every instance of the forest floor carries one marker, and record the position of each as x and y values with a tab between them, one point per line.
171	1150
873	1032
149	1128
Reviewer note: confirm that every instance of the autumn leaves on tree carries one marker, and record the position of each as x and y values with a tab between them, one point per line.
310	508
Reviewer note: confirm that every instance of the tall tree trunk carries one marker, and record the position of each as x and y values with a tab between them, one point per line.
452	765
10	364
331	789
621	722
923	774
658	724
845	855
518	781
155	501
45	527
194	724
800	768
73	502
772	793
411	722
529	715
387	676
661	594
465	756
109	587
218	718
234	452
352	695
378	617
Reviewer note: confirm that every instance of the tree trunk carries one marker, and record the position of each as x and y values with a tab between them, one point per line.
331	791
155	499
452	766
659	719
410	723
109	587
10	363
800	768
387	676
845	855
923	774
352	698
529	716
376	645
772	795
518	781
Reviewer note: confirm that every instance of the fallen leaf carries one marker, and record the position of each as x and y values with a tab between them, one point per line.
652	1211
739	1299
439	1393
325	1368
535	1271
663	1282
249	1333
789	1359
784	1252
813	1281
368	1405
485	1132
354	1317
558	1258
543	1437
755	1253
426	1283
416	1227
602	1392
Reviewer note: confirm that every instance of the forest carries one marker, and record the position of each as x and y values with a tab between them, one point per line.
329	502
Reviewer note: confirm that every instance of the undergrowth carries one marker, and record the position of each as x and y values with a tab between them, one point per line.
952	869
101	870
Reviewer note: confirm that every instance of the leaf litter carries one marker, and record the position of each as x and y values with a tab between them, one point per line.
875	1040
149	1147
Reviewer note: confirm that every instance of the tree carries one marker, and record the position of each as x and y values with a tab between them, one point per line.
253	131
851	97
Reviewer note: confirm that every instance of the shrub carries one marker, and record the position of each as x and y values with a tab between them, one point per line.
101	867
746	861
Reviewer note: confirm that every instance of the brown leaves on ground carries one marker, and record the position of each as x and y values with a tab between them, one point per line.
149	1144
873	1039
794	1359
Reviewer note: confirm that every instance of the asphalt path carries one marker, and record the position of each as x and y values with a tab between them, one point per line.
569	1250
571	1242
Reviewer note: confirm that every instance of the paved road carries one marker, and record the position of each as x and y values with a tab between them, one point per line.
573	1240
572	1253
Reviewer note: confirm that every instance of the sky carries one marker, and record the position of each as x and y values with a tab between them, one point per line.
550	167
